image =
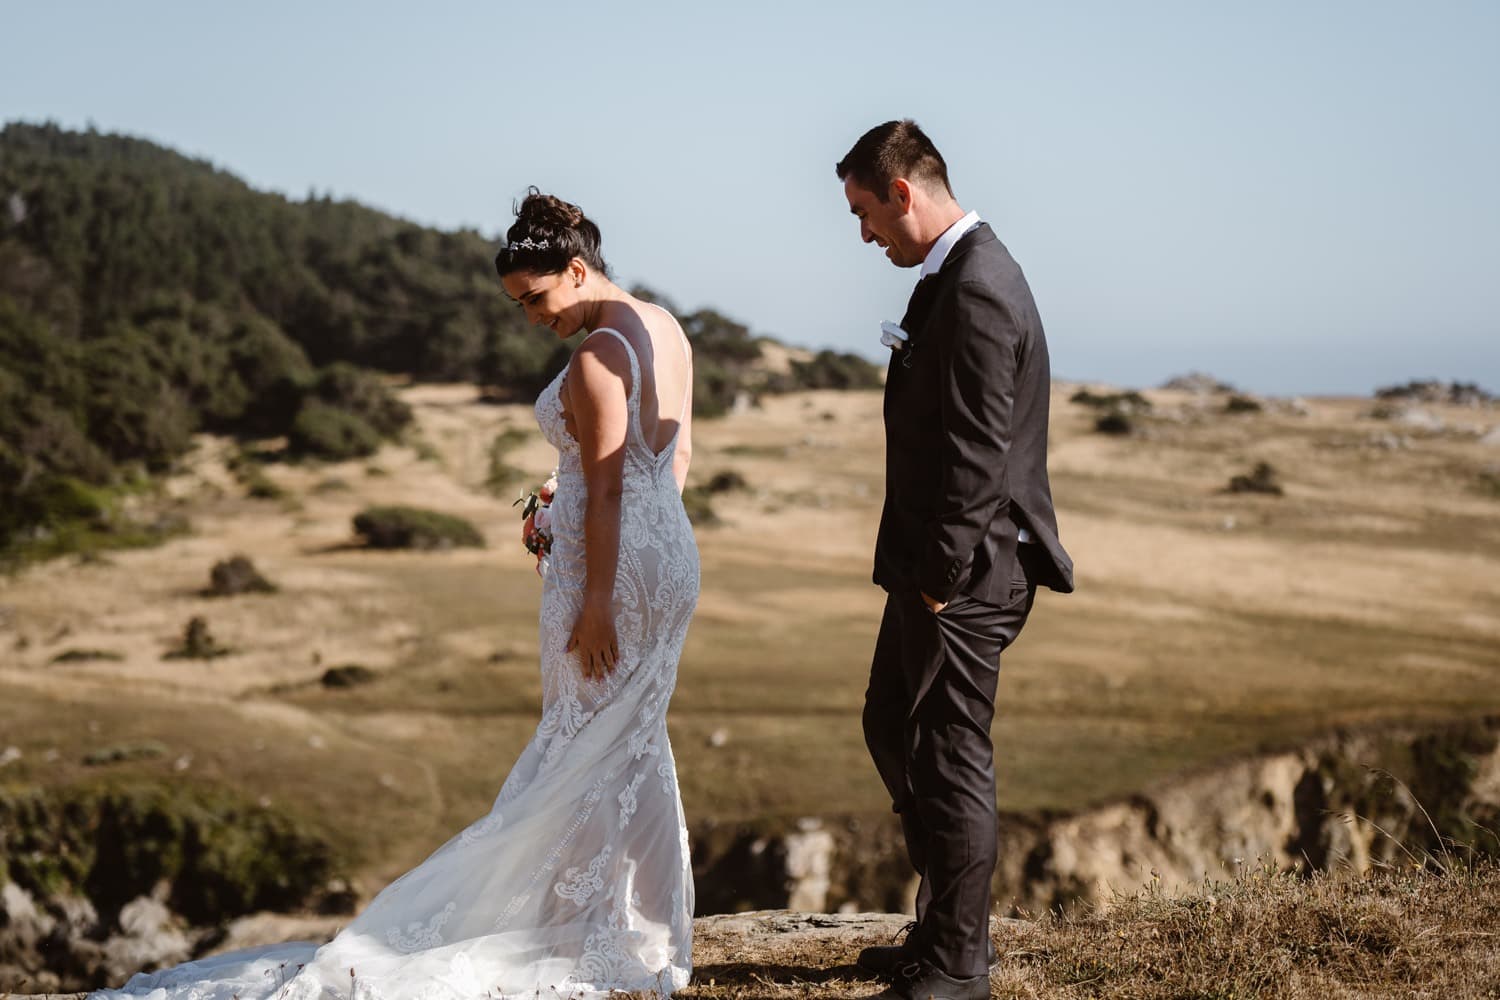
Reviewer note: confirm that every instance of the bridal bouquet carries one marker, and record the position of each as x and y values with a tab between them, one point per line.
536	521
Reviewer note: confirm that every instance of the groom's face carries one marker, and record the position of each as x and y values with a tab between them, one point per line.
888	224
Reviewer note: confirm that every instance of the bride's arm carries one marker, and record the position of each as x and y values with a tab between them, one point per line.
596	388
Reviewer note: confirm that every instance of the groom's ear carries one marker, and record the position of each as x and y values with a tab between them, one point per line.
901	193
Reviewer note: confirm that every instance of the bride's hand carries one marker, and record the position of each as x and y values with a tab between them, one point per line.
595	642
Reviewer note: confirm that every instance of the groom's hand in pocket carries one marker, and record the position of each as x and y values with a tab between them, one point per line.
594	641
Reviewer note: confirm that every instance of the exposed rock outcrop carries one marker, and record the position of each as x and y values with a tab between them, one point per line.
1331	805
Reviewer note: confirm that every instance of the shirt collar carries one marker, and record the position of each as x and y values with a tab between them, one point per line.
944	245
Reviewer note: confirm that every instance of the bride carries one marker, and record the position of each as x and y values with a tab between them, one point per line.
577	882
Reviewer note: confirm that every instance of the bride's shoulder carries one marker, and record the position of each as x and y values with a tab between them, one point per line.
603	353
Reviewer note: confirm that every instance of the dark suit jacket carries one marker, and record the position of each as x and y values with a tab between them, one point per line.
966	407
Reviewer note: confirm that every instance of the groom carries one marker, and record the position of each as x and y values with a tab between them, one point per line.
967	535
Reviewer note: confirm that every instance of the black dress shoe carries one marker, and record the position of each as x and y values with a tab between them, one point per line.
920	981
884	960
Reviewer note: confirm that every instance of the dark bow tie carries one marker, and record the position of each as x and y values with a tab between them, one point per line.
919	303
903	339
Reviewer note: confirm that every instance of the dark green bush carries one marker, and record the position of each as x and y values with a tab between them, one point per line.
347	676
1242	404
698	503
1433	391
414	528
86	656
147	750
1261	479
1127	402
502	478
198	643
715	388
321	431
833	370
362	394
725	481
217	854
237	575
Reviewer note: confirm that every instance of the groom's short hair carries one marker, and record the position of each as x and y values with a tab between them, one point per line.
894	149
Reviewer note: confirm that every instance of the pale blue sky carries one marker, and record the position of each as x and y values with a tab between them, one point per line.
1297	197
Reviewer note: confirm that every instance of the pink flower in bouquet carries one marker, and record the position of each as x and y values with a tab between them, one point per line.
536	520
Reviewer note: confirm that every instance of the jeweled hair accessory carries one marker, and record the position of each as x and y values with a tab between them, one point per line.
528	244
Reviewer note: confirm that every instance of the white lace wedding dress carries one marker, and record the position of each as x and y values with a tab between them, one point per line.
578	881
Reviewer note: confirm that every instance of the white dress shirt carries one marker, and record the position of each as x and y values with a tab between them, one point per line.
944	245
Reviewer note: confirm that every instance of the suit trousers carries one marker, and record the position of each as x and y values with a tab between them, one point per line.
927	720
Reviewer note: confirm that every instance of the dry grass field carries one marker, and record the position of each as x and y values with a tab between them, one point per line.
1206	624
1396	935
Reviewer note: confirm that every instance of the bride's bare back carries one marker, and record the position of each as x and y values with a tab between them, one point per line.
666	379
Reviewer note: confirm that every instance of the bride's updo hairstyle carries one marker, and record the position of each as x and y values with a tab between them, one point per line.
549	232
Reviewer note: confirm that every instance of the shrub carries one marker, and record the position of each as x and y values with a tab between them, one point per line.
1433	391
251	475
59	516
65	499
214	851
1114	422
1262	479
321	431
715	388
1242	404
396	527
197	643
1129	401
347	676
147	750
1198	382
86	656
833	370
726	482
699	505
237	575
502	477
361	393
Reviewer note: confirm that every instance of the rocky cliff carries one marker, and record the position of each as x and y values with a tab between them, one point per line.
1345	802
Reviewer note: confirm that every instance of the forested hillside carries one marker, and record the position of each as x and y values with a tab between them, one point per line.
145	296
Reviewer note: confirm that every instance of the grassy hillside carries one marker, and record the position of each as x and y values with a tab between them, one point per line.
145	296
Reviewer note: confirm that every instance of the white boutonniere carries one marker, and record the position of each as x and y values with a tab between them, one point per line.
892	336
